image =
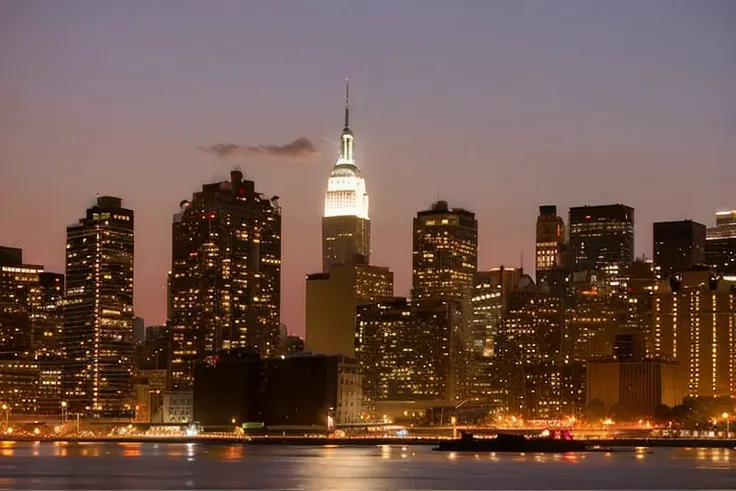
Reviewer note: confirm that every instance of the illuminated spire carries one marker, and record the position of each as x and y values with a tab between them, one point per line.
346	193
346	147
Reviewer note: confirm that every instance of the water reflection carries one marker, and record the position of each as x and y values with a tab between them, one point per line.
198	466
131	449
6	449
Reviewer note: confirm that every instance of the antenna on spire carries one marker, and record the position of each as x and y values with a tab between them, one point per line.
347	103
522	260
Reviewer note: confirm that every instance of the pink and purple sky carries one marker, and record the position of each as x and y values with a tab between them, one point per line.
502	105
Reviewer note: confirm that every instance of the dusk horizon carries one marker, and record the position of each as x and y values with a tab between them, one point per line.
497	108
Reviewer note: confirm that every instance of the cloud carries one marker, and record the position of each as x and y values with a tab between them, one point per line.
300	149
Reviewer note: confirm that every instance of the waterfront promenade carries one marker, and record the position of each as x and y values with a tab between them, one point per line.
360	441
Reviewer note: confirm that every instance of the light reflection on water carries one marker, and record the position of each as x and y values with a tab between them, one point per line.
180	466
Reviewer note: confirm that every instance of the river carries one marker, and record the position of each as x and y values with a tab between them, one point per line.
151	466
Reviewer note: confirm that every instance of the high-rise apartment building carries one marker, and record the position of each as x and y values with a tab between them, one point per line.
530	350
488	307
19	292
445	260
602	239
550	240
225	281
331	304
720	243
30	335
47	317
444	252
98	310
406	349
678	246
346	227
695	325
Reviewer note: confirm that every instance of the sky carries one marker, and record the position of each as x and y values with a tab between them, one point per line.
496	106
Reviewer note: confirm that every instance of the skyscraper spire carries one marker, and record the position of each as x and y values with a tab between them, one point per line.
347	104
346	146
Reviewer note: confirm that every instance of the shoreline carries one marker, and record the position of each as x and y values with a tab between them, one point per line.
362	442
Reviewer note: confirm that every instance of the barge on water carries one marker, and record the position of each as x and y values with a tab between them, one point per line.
558	442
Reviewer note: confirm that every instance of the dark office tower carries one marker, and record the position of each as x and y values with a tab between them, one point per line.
47	317
678	246
444	252
139	330
602	239
720	243
98	310
225	282
18	282
30	308
346	227
550	239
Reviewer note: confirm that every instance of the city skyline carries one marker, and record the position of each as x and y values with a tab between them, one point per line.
624	120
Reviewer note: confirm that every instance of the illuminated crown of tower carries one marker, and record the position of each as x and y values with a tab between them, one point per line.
346	193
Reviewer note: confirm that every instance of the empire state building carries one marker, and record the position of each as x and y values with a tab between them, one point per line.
346	227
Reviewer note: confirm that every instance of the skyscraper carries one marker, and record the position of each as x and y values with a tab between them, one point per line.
346	227
602	239
445	261
444	252
18	290
331	304
407	348
678	246
550	238
720	243
694	325
98	309
225	281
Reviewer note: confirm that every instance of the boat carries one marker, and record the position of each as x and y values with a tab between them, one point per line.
558	442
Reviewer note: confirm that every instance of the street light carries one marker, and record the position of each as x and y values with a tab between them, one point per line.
63	412
6	410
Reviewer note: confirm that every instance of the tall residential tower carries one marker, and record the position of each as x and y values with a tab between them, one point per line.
346	228
98	310
225	282
444	252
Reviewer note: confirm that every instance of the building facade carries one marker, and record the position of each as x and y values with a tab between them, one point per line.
695	326
633	388
444	253
346	226
550	238
678	246
720	244
304	390
602	239
225	281
331	301
530	351
98	310
408	349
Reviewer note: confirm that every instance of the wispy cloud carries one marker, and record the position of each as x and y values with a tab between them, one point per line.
300	149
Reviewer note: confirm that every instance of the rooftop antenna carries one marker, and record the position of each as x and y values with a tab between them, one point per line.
347	103
522	259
